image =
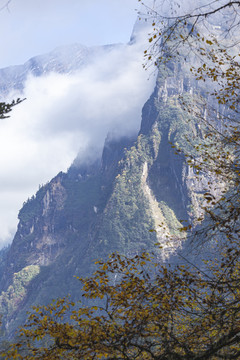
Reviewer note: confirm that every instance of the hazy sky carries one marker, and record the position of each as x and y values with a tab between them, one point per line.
65	115
31	27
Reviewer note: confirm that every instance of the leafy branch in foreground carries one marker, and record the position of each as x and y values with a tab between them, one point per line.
6	108
142	310
175	27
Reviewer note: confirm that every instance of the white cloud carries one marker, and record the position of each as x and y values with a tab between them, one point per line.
64	115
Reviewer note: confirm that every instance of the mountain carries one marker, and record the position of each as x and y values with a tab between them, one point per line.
110	204
63	60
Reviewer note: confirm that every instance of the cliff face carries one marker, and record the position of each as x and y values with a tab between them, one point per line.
138	185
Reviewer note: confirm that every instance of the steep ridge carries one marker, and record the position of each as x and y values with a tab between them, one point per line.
55	235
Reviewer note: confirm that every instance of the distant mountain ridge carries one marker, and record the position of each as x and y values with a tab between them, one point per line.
62	60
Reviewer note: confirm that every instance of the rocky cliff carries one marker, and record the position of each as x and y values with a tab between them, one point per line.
135	196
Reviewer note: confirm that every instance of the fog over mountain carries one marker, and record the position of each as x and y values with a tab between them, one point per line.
69	109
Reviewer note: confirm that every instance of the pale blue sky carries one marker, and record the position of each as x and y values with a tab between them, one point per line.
32	27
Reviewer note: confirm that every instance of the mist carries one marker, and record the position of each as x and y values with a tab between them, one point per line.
64	116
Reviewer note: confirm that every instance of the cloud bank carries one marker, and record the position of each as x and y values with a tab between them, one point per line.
65	115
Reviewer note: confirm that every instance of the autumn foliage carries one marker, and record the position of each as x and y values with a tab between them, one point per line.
146	311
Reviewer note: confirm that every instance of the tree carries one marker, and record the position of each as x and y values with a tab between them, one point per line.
6	108
143	311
